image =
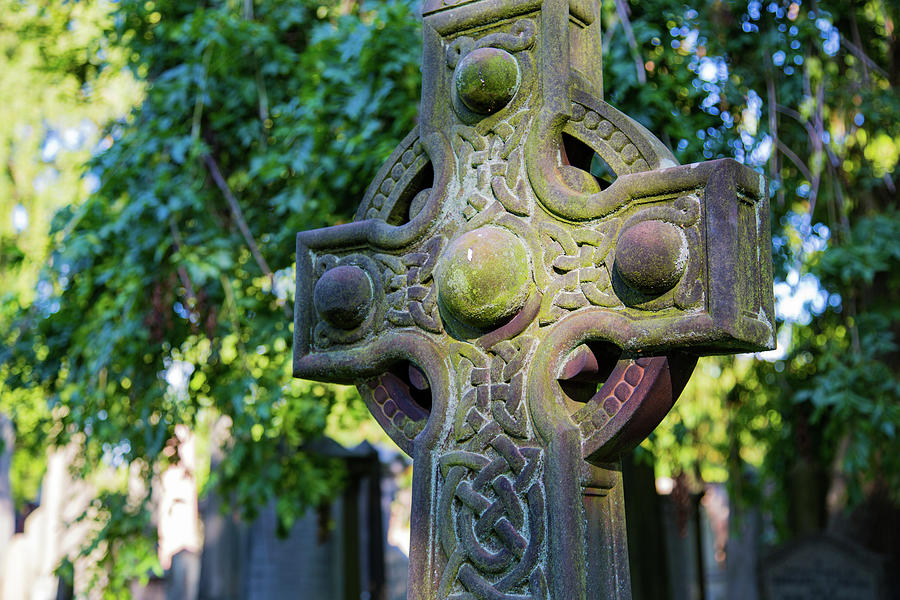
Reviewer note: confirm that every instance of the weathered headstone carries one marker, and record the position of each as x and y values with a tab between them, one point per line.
491	283
679	534
822	567
224	534
742	552
333	552
281	568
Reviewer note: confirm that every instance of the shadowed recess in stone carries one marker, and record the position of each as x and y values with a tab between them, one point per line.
587	368
413	391
412	198
588	163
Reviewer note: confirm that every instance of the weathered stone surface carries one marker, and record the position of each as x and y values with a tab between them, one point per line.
343	296
487	79
484	277
508	284
651	256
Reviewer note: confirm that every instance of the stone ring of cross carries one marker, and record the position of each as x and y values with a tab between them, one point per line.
522	297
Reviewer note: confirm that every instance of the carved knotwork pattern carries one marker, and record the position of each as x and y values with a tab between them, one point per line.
492	385
409	287
492	526
491	513
521	37
491	168
581	261
580	256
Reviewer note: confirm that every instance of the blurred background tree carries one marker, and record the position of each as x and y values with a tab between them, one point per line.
153	286
61	83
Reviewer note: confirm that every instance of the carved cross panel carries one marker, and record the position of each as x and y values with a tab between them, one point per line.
515	322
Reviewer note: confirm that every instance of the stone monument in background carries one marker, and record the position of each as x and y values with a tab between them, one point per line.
333	552
822	567
522	297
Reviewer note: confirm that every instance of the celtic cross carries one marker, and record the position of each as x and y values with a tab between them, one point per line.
515	322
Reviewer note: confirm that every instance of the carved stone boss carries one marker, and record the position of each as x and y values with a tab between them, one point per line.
514	323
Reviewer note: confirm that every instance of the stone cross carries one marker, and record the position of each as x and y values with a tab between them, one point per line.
515	323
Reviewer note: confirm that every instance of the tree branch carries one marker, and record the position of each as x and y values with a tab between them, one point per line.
182	272
798	162
862	56
237	213
774	161
797	117
857	40
622	9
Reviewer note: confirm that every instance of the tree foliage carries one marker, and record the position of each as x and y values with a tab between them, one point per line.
167	294
166	297
60	81
805	92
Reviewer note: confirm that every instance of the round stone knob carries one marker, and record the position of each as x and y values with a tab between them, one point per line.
487	79
651	256
484	277
343	296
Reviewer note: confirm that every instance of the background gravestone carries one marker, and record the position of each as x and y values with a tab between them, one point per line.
335	552
224	534
822	567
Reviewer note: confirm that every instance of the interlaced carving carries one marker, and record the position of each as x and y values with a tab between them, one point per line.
580	256
492	386
409	287
521	37
582	261
491	509
490	167
492	521
684	212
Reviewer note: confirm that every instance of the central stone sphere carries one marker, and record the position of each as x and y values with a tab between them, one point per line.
484	277
487	79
